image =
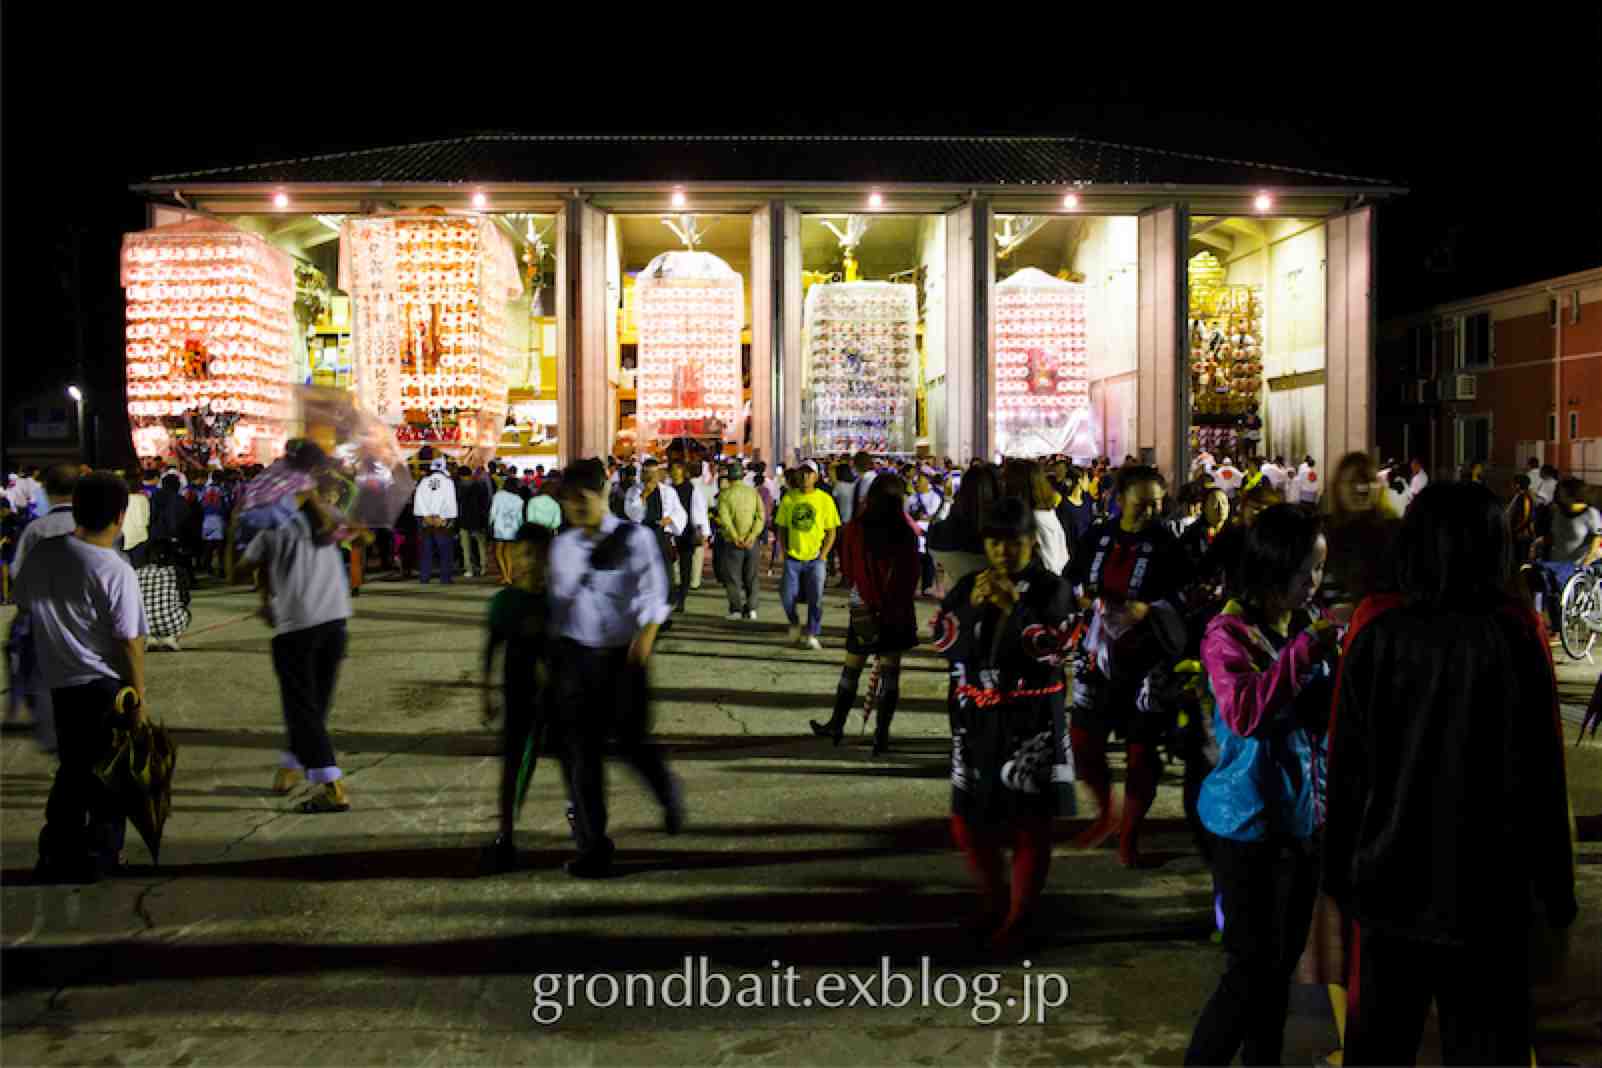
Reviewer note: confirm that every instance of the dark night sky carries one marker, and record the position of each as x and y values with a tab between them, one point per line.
1495	131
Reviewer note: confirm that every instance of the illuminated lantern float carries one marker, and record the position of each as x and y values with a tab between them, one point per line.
861	366
690	313
430	295
210	310
1042	367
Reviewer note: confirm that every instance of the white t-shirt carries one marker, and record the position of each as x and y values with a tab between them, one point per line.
1051	542
1545	490
56	523
1306	486
309	583
136	524
1228	478
1419	481
1277	476
85	603
1571	534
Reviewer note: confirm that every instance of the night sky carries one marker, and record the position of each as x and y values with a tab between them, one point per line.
1495	131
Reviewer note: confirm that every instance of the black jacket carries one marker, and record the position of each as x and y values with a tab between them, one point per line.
1447	806
473	503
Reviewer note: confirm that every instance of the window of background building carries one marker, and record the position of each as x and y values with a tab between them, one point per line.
1478	346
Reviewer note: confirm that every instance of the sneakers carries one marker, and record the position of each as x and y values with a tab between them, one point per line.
467	574
286	779
331	798
813	644
734	617
795	634
751	615
170	644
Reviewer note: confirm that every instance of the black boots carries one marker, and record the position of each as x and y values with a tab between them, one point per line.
889	694
845	695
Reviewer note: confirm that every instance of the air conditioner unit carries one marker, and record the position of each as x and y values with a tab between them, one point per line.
1460	387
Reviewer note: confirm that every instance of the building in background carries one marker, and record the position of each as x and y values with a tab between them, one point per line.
1497	379
1216	303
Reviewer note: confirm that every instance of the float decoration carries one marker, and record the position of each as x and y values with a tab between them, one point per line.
861	362
690	314
1042	366
210	344
430	294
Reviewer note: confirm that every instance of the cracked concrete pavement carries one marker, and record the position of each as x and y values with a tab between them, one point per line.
268	937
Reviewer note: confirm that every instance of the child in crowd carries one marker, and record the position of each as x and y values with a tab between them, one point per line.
518	617
164	588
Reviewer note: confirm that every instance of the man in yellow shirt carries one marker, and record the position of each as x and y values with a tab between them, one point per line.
806	521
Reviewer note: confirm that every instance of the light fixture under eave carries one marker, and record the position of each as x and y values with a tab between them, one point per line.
875	199
1071	201
679	199
1263	202
281	200
480	201
75	393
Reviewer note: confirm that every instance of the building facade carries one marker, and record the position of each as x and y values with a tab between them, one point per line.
1497	379
1176	302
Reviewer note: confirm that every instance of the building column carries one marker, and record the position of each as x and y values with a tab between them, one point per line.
1161	386
1349	336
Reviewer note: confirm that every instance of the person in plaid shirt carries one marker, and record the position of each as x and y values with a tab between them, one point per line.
164	588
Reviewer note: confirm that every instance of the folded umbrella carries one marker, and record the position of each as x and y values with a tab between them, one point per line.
138	772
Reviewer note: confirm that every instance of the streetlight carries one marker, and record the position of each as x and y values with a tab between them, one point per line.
77	395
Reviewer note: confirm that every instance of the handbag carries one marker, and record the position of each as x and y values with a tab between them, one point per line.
865	619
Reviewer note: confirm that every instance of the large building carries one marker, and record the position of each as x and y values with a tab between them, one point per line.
1498	379
955	296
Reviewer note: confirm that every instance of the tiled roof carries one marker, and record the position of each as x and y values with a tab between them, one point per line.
984	161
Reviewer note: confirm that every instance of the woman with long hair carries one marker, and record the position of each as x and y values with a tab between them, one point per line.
1006	631
1361	530
954	541
1026	480
1447	841
1131	571
1267	656
879	556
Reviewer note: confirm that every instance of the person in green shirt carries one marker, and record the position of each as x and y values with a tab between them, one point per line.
807	522
740	520
518	618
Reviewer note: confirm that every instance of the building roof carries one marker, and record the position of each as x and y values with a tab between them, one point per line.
580	160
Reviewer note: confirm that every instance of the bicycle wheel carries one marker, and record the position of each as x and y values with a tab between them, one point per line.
1580	608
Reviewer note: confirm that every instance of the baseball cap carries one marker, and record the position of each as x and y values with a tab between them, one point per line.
438	465
810	466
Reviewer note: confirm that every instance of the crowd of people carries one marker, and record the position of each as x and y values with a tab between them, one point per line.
1355	676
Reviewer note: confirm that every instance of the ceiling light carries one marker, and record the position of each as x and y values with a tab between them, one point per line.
281	200
678	198
480	200
1071	201
875	200
1263	202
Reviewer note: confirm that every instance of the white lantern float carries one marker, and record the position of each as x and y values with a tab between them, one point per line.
688	382
209	351
430	294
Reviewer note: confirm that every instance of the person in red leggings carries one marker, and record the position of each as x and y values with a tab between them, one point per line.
1130	571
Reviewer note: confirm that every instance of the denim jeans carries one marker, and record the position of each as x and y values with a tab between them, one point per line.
805	577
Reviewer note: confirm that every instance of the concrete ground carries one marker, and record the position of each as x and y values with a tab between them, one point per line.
372	937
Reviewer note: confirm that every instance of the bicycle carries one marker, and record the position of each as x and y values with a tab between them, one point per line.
1580	612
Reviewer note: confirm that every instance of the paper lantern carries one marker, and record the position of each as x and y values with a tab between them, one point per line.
860	367
430	338
209	344
1042	366
689	313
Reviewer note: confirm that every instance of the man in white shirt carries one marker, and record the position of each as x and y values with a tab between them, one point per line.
1419	480
1276	475
657	508
1546	489
136	526
435	508
88	620
1305	487
608	595
862	463
923	507
692	497
56	521
1228	477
